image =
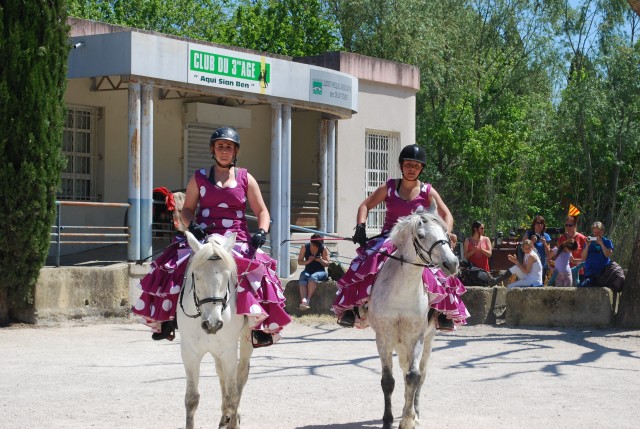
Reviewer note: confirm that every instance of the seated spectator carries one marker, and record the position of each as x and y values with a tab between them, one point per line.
477	248
528	272
596	255
564	256
314	256
571	233
541	241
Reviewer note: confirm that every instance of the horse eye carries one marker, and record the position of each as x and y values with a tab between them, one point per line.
421	233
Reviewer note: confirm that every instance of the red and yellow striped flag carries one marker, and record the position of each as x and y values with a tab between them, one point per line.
573	210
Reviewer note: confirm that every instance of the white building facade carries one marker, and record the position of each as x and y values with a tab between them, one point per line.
318	133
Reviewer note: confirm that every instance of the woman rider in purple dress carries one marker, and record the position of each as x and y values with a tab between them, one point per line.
402	197
215	203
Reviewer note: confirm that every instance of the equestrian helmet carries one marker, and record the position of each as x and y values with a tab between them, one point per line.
413	152
226	133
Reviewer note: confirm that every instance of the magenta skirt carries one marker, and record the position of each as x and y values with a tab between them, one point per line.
259	293
354	287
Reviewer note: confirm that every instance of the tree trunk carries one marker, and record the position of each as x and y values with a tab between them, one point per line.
629	309
4	306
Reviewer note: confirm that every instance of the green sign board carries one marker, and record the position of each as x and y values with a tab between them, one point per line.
231	72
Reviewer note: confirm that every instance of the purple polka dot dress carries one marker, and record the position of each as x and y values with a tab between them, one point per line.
259	294
354	287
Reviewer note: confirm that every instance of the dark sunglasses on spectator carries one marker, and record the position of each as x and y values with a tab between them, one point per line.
569	224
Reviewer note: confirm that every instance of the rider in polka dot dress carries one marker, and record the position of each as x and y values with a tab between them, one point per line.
354	287
222	194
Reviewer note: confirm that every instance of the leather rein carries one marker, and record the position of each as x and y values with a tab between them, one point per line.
420	251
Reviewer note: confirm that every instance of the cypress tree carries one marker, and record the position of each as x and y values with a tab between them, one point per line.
33	57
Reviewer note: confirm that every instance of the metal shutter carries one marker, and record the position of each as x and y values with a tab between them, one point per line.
196	150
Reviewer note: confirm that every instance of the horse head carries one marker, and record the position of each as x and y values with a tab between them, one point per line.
423	236
212	276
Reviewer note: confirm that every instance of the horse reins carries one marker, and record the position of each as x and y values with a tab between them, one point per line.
198	302
419	251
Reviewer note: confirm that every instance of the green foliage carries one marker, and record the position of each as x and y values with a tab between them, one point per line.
34	50
198	19
285	27
390	29
525	106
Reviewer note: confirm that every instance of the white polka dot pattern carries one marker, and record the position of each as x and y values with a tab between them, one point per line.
273	326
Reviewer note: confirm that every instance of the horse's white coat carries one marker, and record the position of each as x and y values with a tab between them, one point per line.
223	334
398	309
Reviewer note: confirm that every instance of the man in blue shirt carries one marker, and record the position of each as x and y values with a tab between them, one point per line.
597	254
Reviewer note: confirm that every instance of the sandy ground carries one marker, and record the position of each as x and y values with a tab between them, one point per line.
102	374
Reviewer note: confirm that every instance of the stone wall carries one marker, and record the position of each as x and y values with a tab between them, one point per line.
76	292
560	306
547	306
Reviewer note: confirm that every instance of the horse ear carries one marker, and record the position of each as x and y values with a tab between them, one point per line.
231	241
433	207
193	242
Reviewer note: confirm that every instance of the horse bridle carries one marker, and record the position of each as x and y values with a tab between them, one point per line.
198	302
420	251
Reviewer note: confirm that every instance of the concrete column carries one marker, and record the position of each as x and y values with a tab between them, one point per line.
274	190
331	176
146	172
285	186
133	251
322	171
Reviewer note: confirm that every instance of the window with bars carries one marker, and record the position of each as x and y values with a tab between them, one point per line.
381	151
79	147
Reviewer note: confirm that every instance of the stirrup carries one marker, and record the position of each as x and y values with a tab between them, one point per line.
444	324
261	339
348	319
167	332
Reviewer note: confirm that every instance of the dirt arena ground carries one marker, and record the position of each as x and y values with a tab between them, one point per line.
110	374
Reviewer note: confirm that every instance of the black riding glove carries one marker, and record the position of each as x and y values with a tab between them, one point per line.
259	238
197	231
360	236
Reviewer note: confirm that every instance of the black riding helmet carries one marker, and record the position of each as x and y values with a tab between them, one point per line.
413	152
226	133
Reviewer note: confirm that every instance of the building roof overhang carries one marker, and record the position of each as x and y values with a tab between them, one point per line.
209	70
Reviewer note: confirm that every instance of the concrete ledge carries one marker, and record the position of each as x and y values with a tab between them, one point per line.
76	292
484	304
320	303
560	306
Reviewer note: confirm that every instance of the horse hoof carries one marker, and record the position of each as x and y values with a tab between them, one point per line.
224	423
407	424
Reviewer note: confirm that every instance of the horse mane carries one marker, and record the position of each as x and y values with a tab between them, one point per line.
210	249
404	229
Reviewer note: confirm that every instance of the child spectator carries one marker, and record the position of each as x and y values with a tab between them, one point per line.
564	258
